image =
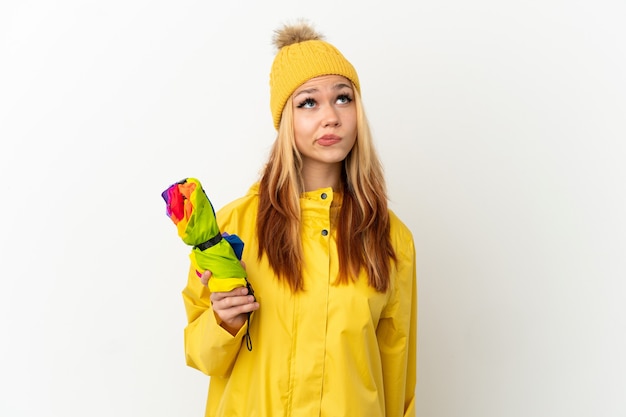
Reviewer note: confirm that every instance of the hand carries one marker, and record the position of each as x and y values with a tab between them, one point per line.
232	307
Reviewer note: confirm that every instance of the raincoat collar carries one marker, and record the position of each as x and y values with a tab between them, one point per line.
327	195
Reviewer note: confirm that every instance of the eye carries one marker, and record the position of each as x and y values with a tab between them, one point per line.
344	99
307	103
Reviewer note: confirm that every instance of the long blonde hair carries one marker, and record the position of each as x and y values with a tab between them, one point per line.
363	239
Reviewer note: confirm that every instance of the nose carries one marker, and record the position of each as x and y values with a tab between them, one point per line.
331	117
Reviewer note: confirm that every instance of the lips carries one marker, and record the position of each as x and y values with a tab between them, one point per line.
328	140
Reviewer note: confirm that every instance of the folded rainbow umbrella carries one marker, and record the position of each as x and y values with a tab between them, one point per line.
192	212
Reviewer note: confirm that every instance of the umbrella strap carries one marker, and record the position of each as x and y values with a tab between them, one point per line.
247	335
211	242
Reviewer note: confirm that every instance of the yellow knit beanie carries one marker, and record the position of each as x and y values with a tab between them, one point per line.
302	55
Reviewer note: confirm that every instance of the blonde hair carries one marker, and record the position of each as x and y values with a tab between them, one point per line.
363	240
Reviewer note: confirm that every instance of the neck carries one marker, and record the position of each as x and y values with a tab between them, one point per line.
321	176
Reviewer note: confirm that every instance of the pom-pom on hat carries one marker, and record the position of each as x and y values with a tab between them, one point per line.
302	54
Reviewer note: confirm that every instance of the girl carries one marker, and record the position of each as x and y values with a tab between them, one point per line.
333	317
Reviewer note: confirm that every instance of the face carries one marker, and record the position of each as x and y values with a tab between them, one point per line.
324	119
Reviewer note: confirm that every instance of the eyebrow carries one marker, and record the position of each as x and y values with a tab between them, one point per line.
335	87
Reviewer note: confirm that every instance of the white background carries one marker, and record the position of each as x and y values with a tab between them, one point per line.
502	130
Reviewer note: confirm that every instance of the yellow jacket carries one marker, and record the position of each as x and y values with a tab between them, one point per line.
331	350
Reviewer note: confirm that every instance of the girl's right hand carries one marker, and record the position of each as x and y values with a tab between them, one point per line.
232	307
